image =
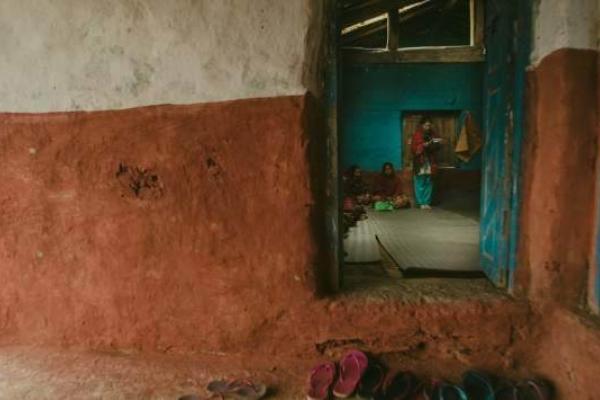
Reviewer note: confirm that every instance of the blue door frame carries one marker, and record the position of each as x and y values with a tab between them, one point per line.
507	31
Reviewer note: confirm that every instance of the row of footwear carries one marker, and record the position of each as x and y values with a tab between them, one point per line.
361	377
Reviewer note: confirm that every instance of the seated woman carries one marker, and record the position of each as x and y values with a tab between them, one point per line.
355	195
355	186
389	188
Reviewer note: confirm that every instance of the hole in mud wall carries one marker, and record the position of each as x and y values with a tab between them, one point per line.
214	169
139	183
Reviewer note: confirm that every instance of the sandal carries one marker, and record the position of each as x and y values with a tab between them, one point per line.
237	389
478	385
352	369
372	383
321	379
448	391
507	391
195	397
422	393
401	385
535	389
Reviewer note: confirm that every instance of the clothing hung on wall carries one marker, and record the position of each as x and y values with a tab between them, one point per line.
469	137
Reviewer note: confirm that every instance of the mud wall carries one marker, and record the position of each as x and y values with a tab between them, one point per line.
557	265
154	227
189	227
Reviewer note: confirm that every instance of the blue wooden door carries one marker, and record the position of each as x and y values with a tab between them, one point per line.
499	130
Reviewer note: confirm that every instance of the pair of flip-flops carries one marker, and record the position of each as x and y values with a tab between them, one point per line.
532	389
358	375
477	385
322	379
232	390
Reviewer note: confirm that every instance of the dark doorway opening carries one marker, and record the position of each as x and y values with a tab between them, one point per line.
382	93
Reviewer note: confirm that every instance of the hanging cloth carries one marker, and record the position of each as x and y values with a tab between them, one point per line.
469	137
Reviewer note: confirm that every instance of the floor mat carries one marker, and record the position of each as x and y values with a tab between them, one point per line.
436	240
361	244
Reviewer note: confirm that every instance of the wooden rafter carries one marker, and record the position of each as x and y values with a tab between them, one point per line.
355	4
367	30
424	9
364	32
457	54
374	8
393	30
475	52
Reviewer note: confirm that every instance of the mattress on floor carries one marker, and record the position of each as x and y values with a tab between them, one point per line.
436	240
361	244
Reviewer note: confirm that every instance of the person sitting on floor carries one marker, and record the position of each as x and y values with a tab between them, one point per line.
355	186
355	194
389	188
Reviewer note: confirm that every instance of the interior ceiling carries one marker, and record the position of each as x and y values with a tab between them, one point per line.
365	20
358	11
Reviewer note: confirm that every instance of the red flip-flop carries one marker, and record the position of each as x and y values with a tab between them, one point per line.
352	368
320	381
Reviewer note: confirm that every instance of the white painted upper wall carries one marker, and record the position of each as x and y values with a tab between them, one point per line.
58	55
565	24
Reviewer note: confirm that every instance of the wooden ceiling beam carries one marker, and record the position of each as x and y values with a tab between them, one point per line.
356	5
457	54
368	30
379	7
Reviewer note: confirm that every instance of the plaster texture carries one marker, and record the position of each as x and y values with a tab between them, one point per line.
564	24
111	54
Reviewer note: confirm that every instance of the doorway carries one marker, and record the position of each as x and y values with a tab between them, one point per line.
384	91
443	241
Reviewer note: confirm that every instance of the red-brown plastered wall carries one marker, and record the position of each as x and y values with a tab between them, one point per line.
167	226
559	158
189	229
557	220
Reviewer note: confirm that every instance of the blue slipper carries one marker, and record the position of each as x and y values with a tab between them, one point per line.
448	391
535	389
507	391
478	385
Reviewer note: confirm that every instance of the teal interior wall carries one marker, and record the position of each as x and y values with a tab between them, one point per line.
373	98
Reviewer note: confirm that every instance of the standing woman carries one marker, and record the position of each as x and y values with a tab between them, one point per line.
425	144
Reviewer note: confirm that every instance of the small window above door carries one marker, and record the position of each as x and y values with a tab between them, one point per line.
413	30
435	24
